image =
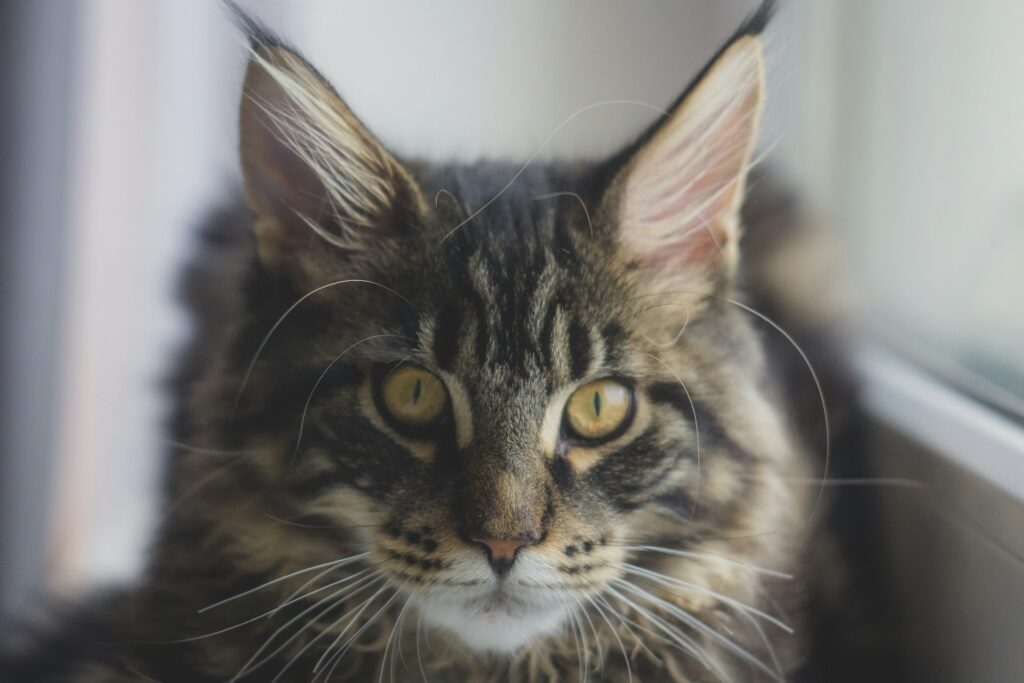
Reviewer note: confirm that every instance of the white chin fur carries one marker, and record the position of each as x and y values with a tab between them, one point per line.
498	628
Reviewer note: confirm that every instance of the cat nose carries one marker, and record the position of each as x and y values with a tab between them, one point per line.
501	552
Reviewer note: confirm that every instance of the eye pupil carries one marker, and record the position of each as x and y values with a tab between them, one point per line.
411	397
599	409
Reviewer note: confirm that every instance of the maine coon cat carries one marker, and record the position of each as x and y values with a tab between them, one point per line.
501	424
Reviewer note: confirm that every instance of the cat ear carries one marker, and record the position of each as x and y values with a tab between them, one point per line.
676	201
321	188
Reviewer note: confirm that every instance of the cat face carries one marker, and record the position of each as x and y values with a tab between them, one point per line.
496	383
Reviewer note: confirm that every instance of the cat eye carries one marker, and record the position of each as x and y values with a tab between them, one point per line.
412	398
599	411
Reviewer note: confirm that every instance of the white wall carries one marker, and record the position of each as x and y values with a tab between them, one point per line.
153	147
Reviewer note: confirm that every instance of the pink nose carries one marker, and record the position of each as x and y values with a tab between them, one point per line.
501	548
501	552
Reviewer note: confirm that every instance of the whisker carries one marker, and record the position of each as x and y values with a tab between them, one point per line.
803	356
267	614
597	638
896	482
332	563
700	626
817	386
178	445
615	634
578	198
573	626
627	623
419	654
696	429
366	603
586	645
250	666
540	149
386	663
600	653
673	582
693	554
681	640
691	648
767	643
394	629
273	329
577	636
309	399
318	636
295	596
341	654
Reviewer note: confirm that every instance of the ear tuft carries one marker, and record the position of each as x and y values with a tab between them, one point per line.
313	172
677	200
258	33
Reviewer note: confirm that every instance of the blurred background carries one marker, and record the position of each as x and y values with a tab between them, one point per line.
897	123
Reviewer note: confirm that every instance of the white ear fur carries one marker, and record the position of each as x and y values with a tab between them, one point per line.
680	195
311	168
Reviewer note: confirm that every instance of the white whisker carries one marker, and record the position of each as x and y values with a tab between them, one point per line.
696	429
672	582
277	324
333	563
698	625
615	634
541	148
694	554
249	664
351	641
318	636
309	399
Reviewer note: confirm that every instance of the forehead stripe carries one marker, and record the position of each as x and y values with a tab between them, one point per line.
579	349
712	434
446	336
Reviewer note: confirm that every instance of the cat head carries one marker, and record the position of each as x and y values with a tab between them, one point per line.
491	384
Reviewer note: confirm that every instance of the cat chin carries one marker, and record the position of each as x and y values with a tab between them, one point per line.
493	624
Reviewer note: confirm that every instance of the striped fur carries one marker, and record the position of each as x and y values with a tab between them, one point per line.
331	546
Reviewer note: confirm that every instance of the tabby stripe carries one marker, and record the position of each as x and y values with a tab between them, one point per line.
446	336
614	339
547	331
712	434
580	351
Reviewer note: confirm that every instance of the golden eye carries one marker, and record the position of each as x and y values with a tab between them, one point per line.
600	409
413	396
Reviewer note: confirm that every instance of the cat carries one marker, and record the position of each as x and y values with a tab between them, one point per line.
500	423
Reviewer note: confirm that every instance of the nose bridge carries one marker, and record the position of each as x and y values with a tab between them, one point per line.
504	491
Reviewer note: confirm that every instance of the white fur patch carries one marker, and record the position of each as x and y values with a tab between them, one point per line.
497	616
496	622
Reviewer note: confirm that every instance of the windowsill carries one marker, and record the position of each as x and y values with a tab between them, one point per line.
953	426
955	545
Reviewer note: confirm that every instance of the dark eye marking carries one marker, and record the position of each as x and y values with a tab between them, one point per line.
631	475
712	434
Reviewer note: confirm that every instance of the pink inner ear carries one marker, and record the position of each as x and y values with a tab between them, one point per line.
679	199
